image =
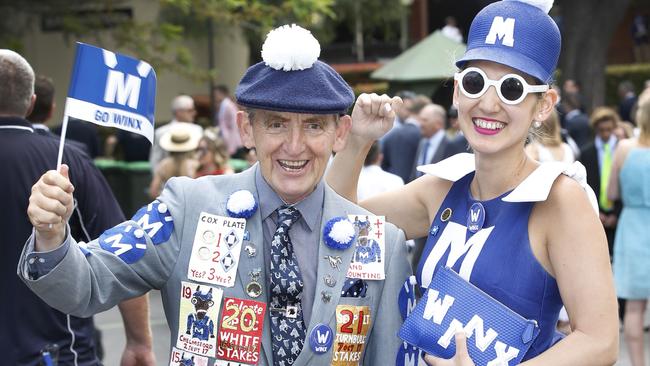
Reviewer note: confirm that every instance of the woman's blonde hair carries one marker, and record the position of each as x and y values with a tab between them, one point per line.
627	127
549	133
643	116
177	164
217	147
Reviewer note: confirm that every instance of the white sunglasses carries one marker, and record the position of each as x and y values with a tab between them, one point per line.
511	88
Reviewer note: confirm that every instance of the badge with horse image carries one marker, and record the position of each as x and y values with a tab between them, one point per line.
352	326
369	250
240	331
197	320
181	358
216	249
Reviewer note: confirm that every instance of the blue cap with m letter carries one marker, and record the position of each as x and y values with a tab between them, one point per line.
516	33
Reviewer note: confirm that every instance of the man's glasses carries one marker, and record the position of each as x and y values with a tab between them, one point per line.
511	88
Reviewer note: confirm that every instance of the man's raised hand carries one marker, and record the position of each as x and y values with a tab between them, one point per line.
373	115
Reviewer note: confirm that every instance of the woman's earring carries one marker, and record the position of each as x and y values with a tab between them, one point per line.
537	124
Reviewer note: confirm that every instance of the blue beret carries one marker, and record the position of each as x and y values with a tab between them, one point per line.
515	34
316	90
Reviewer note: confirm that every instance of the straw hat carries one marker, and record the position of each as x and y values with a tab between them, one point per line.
180	138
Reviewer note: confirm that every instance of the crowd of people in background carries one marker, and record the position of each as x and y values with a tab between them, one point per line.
603	140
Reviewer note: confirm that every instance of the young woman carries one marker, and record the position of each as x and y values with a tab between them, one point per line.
630	181
212	154
541	244
180	142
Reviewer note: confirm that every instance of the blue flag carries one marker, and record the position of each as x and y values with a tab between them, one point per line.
112	90
496	335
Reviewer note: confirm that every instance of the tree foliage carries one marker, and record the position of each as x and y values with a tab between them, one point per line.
161	42
379	19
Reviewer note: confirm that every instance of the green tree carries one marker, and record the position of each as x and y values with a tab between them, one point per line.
160	42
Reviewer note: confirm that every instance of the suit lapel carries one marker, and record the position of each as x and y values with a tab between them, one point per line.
323	312
416	162
249	264
438	154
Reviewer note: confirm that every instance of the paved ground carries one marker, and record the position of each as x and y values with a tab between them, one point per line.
110	323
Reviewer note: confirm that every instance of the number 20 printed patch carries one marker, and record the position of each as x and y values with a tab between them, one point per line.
240	332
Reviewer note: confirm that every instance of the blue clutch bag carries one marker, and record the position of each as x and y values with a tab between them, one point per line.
496	335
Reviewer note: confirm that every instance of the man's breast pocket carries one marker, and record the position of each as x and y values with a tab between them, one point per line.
357	301
354	288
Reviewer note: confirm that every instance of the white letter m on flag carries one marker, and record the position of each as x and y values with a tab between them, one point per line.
118	91
121	91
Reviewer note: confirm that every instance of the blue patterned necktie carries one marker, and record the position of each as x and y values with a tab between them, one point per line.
287	325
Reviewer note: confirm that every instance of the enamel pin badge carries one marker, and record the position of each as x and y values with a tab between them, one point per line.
475	217
253	288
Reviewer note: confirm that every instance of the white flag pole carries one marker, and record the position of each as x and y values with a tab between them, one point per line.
64	128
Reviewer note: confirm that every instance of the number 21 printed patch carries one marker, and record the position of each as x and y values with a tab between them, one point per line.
352	325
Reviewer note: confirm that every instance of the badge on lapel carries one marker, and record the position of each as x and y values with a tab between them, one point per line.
369	252
321	338
241	204
240	331
338	233
352	326
198	310
216	249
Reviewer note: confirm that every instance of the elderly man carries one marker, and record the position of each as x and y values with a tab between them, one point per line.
32	332
434	139
256	267
226	119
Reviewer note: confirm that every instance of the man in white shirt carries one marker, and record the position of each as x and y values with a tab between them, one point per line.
373	179
451	31
434	139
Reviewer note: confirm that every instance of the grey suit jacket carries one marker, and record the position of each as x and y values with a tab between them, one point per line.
438	155
99	281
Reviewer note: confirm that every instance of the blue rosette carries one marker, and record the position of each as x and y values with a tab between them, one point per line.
339	233
241	204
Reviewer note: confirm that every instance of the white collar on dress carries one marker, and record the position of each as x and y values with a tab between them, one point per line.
535	188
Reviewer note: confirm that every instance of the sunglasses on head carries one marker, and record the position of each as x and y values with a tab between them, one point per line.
511	88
